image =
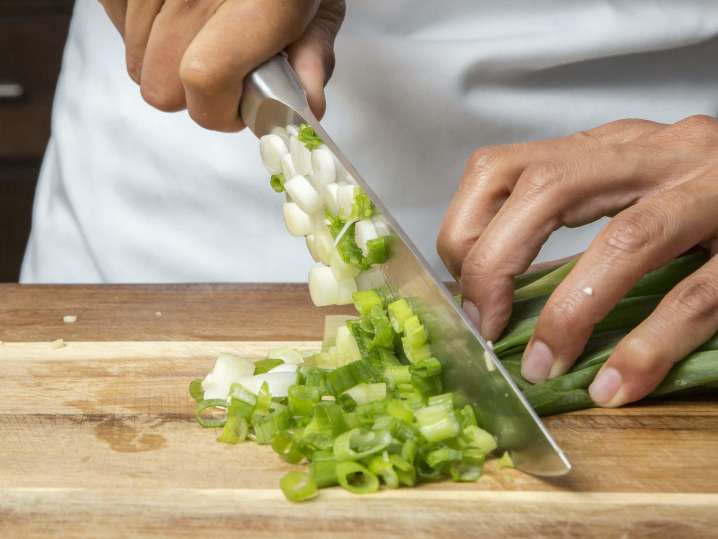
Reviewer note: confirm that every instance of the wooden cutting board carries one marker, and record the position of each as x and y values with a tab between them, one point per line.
98	439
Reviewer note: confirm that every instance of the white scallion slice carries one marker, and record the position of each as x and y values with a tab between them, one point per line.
292	130
297	221
281	133
347	348
341	269
323	244
382	229
286	354
301	156
288	169
311	247
370	279
303	193
278	382
323	171
323	286
227	370
346	287
330	197
332	322
364	231
345	200
272	148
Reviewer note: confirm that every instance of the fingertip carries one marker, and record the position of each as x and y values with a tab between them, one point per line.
472	311
606	388
312	77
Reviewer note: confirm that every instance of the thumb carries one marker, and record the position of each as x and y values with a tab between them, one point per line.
312	55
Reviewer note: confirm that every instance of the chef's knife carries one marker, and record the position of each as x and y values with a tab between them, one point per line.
273	97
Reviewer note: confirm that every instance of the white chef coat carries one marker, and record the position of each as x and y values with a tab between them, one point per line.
128	193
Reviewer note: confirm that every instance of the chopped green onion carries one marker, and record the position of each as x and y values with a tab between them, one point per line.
363	393
266	365
414	332
357	444
235	430
264	398
400	410
473	436
397	374
437	422
382	467
442	456
325	426
211	404
196	391
464	471
323	469
365	300
405	470
356	478
298	486
399	312
378	249
444	399
362	208
285	445
276	181
303	399
309	137
426	367
415	353
505	461
240	408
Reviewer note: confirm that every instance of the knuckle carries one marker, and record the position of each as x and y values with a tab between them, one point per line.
564	312
628	234
483	162
452	246
638	356
698	122
202	76
697	299
541	178
477	268
161	97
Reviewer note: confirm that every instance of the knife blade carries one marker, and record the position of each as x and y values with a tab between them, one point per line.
273	97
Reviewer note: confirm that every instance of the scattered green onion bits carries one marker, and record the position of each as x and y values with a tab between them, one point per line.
370	414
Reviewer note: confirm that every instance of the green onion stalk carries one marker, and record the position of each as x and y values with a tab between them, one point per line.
570	391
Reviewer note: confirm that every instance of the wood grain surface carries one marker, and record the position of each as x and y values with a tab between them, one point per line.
98	439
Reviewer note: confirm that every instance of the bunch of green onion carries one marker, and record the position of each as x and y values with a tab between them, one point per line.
363	415
569	392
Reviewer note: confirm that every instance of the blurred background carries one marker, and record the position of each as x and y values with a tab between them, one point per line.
32	35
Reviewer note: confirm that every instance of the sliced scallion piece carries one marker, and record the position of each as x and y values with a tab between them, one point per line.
298	486
356	478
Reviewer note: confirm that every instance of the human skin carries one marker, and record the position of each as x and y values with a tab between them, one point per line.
659	182
194	54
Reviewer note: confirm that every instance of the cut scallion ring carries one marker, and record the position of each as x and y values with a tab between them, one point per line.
356	478
298	486
209	405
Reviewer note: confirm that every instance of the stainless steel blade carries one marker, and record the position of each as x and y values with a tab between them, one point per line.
273	97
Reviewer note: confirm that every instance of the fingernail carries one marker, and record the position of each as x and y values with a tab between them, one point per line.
605	386
557	369
537	362
472	311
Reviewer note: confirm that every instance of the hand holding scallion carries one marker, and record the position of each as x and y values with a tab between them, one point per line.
659	183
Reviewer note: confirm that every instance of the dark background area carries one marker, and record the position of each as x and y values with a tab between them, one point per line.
32	36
